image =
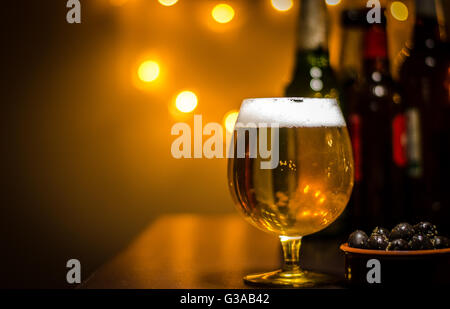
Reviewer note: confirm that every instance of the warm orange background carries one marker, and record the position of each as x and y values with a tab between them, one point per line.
87	160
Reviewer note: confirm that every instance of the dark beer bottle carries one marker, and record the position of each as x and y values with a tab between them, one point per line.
422	77
376	101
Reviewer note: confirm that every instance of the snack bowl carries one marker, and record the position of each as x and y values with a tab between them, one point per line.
376	268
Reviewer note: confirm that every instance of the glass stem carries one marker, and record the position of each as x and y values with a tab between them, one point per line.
291	253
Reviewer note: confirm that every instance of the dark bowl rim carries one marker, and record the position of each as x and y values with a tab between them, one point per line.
346	248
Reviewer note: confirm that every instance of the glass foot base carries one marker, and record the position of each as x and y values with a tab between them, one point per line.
298	279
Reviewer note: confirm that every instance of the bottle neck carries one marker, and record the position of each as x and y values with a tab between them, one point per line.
312	26
426	8
351	53
426	29
375	50
380	65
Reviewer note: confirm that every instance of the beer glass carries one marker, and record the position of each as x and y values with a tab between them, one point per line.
305	184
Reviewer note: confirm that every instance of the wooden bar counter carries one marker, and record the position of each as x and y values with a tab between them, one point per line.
196	252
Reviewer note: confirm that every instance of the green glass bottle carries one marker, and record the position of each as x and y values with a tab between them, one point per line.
312	75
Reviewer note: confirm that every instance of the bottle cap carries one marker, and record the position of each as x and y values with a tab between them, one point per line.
354	18
425	8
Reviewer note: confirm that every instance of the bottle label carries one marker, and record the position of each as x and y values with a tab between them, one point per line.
414	141
355	133
399	139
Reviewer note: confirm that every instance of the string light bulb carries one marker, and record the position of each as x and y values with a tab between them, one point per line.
148	71
222	13
282	5
333	2
399	11
230	120
167	2
186	101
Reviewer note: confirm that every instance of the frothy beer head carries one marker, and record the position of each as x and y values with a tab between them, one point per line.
290	112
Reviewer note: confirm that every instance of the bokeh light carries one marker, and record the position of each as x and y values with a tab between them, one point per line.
333	2
148	71
167	2
230	120
399	11
282	5
186	101
222	13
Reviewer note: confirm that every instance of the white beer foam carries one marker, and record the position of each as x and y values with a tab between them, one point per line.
291	112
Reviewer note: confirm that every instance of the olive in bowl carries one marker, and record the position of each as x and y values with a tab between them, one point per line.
407	255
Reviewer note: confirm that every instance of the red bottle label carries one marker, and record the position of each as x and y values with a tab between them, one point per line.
399	151
355	134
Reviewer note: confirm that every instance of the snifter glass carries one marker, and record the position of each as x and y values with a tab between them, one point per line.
302	187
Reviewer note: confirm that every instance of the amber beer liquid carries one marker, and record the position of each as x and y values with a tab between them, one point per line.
312	183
